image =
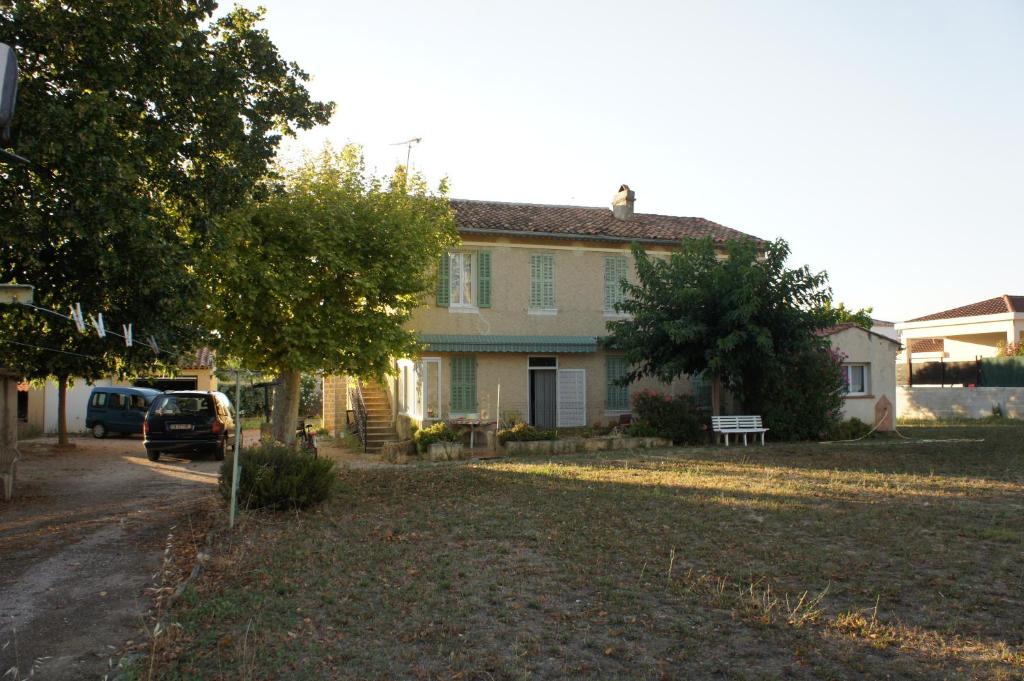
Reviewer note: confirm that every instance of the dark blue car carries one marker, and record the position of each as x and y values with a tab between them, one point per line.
118	410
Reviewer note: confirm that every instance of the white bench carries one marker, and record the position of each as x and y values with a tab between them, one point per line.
737	425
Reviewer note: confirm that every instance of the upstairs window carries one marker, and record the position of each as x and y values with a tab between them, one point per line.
542	281
615	271
464	280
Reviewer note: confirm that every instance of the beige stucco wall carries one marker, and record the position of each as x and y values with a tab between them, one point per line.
862	347
968	347
205	379
511	372
579	292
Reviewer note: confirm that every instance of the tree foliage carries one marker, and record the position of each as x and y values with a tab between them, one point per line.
842	314
744	318
323	272
143	120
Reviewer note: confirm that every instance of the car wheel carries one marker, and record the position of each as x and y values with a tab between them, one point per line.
221	450
99	430
153	455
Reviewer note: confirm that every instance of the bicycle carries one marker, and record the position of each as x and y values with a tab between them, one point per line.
305	439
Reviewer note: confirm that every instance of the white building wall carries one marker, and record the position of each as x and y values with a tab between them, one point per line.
78	401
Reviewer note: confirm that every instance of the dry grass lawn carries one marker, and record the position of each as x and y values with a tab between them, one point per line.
881	560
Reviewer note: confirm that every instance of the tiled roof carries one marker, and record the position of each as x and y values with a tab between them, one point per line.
582	222
443	343
832	330
927	345
999	305
203	360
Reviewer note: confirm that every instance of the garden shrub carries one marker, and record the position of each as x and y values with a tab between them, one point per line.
849	430
439	432
275	476
805	396
524	433
675	418
641	429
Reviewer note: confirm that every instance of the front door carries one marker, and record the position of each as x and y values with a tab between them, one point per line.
542	398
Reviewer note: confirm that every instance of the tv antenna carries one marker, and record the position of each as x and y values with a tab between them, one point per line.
408	149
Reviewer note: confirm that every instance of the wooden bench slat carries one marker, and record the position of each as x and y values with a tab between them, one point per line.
738	425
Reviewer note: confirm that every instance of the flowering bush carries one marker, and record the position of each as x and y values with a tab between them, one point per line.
1012	349
673	417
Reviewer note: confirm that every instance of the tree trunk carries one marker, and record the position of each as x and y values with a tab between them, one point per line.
286	407
62	411
716	396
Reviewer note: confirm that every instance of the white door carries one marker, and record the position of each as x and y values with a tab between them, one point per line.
572	398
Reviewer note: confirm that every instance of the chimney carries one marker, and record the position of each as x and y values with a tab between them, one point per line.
622	203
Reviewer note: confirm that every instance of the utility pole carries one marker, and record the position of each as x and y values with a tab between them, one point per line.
408	150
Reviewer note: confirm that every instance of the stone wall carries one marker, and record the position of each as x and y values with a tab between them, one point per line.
933	402
335	404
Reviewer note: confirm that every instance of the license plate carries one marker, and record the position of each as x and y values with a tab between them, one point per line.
179	426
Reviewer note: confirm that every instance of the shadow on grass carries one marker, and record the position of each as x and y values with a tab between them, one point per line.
626	569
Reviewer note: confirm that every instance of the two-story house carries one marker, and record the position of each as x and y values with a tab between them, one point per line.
520	307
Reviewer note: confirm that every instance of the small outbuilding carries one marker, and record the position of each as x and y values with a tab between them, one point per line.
869	366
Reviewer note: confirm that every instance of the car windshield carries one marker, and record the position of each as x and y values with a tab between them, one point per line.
176	405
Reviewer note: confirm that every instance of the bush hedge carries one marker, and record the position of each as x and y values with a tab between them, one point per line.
849	430
276	476
521	432
672	417
439	432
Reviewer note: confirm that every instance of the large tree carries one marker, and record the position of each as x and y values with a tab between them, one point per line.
324	271
739	314
143	120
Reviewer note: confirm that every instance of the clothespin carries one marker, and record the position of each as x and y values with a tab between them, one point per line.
127	328
97	322
77	318
154	346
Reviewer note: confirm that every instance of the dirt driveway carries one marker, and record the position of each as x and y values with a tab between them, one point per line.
79	546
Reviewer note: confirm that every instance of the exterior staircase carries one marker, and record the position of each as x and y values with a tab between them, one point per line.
379	427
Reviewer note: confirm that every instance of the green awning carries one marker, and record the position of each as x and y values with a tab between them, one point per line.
442	343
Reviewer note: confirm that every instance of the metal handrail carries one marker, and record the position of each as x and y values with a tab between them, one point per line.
356	397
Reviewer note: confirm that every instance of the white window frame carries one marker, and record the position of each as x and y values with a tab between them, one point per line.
474	264
847	375
422	377
619	296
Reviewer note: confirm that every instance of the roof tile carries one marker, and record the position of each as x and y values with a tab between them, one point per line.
582	222
998	305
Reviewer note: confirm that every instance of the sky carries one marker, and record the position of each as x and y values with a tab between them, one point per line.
884	141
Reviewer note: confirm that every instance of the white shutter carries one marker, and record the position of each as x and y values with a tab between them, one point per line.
572	398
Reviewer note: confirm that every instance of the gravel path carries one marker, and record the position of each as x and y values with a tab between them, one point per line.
80	544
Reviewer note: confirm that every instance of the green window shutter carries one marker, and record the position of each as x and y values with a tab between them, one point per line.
484	279
616	396
444	280
463	384
614	272
542	281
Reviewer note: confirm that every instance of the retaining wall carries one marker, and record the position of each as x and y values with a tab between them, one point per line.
933	402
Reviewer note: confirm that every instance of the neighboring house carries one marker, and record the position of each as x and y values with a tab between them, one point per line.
869	367
884	328
37	406
522	304
964	333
